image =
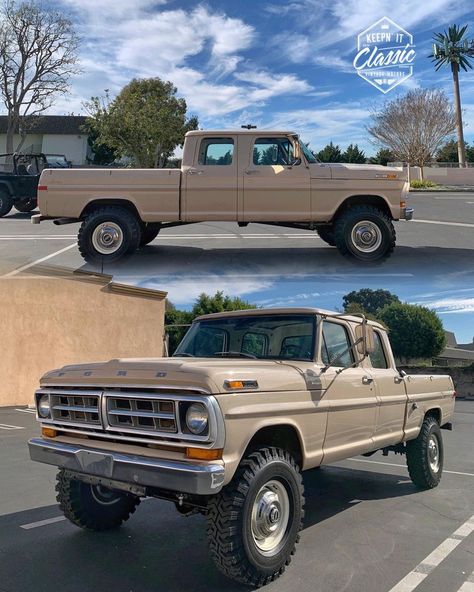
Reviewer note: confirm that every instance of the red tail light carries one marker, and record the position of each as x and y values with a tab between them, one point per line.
42	188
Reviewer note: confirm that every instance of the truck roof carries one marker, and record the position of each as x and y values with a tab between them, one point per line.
253	132
275	311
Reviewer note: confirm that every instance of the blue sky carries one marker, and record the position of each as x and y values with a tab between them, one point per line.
448	294
270	62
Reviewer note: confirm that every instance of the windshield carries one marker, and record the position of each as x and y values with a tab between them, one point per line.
307	153
263	337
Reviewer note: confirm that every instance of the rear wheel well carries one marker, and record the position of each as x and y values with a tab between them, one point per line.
435	414
281	436
364	200
121	203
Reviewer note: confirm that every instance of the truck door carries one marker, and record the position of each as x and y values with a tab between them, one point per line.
349	395
210	185
391	394
274	189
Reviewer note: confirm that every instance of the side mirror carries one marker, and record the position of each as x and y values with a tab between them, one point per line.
365	339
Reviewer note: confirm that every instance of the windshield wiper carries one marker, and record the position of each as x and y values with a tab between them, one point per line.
235	353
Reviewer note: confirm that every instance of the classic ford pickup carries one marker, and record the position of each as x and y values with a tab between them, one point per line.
242	176
226	426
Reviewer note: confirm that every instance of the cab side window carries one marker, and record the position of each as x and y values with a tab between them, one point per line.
378	357
335	342
272	151
216	151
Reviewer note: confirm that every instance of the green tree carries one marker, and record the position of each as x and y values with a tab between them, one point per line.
453	49
146	121
330	153
448	152
371	301
383	156
415	331
204	304
354	308
102	154
354	154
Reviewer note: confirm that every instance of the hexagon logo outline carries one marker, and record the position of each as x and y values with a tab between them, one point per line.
385	40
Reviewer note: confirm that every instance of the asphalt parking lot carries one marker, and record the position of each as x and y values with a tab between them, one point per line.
440	237
367	529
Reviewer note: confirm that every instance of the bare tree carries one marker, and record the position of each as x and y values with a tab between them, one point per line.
414	126
38	55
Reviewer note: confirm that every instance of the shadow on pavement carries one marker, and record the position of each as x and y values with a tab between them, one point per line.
157	550
155	261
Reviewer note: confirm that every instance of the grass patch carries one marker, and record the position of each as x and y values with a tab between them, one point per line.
422	184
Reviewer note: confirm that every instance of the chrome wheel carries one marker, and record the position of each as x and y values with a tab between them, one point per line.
366	236
104	495
107	238
433	453
270	517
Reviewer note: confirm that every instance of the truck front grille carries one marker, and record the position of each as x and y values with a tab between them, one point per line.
75	408
141	414
125	414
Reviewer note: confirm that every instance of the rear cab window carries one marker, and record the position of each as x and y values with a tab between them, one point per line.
216	152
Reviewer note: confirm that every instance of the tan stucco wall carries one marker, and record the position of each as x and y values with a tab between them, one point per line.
445	175
74	147
48	322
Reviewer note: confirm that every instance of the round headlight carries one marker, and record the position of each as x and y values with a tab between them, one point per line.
43	406
197	418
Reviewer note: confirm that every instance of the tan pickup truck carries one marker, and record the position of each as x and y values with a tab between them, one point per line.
225	427
241	176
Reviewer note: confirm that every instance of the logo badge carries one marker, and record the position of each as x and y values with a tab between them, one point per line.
385	55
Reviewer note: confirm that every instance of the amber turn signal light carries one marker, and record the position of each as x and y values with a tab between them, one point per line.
49	432
403	204
204	453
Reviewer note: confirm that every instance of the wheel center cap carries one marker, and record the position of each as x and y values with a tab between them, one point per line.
274	515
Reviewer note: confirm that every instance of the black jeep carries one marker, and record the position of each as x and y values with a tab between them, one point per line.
19	176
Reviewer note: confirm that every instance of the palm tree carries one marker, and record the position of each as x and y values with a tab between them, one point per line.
451	48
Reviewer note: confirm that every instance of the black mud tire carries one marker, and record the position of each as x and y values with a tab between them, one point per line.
326	233
6	203
383	233
231	542
149	233
79	503
26	205
420	456
122	219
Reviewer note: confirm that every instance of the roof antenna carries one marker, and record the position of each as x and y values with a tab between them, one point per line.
249	126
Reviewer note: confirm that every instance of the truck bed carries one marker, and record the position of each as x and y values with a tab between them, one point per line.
155	192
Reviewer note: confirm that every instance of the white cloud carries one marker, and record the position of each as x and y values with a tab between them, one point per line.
183	292
451	305
122	41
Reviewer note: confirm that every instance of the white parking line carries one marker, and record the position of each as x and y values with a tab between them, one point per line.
27	410
33	263
468	585
4	426
387	464
464	224
413	579
42	522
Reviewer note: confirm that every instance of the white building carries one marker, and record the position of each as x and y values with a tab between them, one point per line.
52	134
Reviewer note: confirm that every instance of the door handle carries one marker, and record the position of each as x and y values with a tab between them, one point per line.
251	172
367	380
195	172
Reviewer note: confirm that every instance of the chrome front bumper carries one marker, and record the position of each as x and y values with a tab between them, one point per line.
139	471
407	214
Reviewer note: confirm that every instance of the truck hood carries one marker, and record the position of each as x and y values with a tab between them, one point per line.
341	170
191	373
